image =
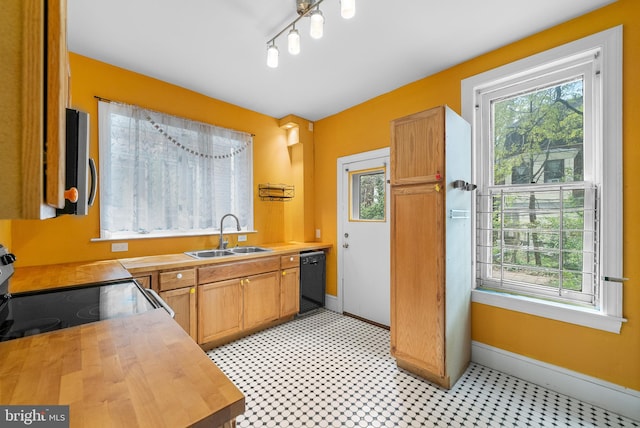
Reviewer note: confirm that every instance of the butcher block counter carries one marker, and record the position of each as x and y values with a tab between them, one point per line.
142	370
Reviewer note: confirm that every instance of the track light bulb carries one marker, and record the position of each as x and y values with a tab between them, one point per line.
347	8
317	24
272	56
293	40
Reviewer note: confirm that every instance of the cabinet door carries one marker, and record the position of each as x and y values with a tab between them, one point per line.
417	277
57	101
417	147
183	303
261	294
219	310
32	107
290	292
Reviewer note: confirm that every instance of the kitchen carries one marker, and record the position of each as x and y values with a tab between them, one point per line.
310	167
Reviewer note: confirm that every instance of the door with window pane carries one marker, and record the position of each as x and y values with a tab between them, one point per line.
365	240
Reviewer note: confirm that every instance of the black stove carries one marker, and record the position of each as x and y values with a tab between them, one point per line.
26	314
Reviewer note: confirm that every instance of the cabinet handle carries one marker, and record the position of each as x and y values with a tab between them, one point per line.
290	259
247	280
71	194
179	276
284	272
192	290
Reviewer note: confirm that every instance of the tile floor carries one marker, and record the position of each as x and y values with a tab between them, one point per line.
328	370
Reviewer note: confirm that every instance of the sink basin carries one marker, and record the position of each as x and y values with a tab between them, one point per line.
244	250
208	254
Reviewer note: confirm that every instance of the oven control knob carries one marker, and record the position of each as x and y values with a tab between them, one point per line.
7	259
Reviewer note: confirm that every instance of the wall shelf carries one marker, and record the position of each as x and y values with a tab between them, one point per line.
276	192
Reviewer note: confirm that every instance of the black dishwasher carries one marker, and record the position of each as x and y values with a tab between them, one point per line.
312	280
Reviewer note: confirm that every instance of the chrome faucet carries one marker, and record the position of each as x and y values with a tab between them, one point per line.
221	244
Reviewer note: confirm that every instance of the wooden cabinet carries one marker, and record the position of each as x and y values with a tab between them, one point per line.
416	155
237	296
289	285
183	302
177	279
261	297
178	290
431	245
34	75
219	310
224	300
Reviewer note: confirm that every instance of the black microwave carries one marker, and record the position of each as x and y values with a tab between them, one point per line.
79	166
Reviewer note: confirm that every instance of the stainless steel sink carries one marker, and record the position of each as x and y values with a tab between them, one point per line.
245	250
209	254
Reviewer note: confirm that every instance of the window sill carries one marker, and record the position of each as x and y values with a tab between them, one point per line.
133	236
552	310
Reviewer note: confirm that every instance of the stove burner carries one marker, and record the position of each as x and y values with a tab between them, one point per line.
91	312
83	295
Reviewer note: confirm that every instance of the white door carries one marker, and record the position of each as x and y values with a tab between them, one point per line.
363	241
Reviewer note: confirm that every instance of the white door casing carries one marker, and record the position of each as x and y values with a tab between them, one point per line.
363	246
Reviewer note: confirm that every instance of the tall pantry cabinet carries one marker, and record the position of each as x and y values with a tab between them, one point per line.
431	244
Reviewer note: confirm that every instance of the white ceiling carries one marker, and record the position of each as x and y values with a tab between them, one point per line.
218	47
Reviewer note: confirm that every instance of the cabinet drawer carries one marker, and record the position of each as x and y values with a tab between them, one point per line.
223	271
177	279
289	261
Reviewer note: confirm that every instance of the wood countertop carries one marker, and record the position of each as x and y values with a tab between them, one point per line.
45	277
175	261
142	370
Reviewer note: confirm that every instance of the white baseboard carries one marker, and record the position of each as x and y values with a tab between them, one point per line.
331	303
600	393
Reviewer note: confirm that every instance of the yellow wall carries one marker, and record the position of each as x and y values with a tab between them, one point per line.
299	211
611	357
68	238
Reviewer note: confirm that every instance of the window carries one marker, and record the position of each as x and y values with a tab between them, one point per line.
367	188
162	175
547	161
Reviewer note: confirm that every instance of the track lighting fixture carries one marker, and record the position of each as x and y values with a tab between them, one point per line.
316	28
293	40
347	8
317	24
272	55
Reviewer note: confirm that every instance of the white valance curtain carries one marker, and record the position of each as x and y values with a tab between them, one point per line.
165	175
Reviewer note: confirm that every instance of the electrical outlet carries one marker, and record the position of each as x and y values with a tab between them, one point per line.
117	247
317	233
242	238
